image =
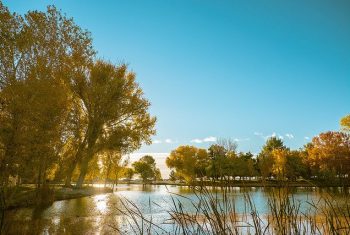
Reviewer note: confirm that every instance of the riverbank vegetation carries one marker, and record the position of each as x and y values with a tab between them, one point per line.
324	161
64	113
216	212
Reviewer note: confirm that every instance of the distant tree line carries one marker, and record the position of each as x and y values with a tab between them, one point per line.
64	115
326	158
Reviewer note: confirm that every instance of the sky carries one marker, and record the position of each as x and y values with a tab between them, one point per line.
244	70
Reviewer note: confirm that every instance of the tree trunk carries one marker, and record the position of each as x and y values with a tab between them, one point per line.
39	179
83	171
70	171
72	167
107	173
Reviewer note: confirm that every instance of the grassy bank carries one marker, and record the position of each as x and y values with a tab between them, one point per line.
27	196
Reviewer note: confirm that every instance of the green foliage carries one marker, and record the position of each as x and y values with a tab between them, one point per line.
128	173
147	169
296	165
265	158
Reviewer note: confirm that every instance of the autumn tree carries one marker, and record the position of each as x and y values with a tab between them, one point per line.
189	162
329	154
128	173
59	110
36	53
147	169
288	164
265	158
345	123
279	157
116	113
113	165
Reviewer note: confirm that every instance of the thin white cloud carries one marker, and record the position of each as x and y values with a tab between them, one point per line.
166	141
207	139
210	139
169	141
265	137
197	141
289	136
306	138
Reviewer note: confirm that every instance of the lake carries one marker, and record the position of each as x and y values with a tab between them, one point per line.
99	214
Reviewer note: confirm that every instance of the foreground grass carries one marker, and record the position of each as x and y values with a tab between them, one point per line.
215	212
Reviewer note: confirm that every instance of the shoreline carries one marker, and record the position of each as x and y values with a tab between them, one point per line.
25	199
249	184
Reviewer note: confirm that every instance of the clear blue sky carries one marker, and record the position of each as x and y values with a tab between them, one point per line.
239	69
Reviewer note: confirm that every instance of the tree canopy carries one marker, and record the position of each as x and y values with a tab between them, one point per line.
147	169
60	108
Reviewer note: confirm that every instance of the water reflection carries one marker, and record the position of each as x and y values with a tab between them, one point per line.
100	202
99	214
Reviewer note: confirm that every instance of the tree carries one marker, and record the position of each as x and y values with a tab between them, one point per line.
218	161
34	113
265	158
296	165
345	123
128	173
188	161
245	164
329	154
279	156
37	53
222	155
157	174
147	169
172	176
112	163
117	113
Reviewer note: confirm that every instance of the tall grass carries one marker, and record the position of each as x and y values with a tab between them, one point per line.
215	212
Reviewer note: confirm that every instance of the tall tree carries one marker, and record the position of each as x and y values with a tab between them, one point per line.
116	113
265	158
296	165
218	161
222	155
37	51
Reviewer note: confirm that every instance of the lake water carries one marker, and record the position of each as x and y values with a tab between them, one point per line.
99	214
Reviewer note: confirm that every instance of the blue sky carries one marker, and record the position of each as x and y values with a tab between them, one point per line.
235	69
